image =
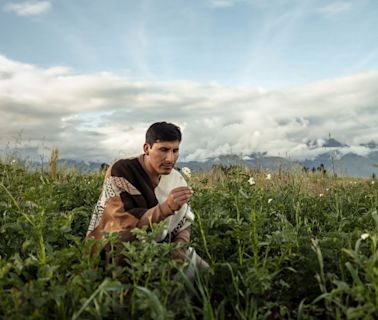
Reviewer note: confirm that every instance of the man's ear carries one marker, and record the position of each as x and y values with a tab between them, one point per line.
146	149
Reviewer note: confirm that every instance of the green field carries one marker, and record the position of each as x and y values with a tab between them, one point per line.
293	246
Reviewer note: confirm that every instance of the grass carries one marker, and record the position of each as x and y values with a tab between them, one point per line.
288	247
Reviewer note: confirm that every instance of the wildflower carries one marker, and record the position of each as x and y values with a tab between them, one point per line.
270	200
268	176
321	195
372	182
13	161
364	236
187	173
251	181
327	189
30	204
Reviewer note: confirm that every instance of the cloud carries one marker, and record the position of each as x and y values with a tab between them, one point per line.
28	8
103	116
335	8
254	3
221	3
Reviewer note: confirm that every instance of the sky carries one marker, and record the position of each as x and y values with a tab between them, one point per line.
238	76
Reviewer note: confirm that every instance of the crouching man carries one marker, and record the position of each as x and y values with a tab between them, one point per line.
147	189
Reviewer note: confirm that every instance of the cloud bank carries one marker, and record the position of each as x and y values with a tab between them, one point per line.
103	116
28	8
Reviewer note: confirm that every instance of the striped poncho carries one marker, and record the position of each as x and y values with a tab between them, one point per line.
129	199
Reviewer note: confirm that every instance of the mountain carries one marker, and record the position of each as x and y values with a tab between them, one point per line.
255	160
325	143
67	164
370	145
80	165
337	158
373	156
332	143
350	164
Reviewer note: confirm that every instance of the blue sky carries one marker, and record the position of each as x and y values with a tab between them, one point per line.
264	43
140	61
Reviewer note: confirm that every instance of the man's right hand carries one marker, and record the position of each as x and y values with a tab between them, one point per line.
177	197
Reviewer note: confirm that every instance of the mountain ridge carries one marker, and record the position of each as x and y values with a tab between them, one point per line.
337	157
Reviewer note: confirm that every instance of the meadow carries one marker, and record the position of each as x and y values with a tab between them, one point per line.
281	245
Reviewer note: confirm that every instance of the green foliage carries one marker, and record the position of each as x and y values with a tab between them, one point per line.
53	163
287	247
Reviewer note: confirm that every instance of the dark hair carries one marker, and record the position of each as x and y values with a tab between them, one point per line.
162	131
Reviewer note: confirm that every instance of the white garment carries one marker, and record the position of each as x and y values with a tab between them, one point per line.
179	221
182	218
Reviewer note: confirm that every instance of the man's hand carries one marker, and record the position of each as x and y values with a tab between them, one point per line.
177	197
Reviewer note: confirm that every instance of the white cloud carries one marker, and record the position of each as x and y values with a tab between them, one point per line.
104	116
254	3
28	8
335	8
221	3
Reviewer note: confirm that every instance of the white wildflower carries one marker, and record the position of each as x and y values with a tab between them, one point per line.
270	200
30	204
13	161
251	181
327	189
372	182
321	195
186	172
268	176
364	236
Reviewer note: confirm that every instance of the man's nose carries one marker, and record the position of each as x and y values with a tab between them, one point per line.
170	156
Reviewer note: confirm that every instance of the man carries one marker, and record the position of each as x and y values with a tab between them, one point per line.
147	189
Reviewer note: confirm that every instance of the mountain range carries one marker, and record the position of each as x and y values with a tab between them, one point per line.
337	158
350	164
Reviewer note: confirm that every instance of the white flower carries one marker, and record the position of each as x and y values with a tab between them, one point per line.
268	176
372	182
186	172
30	204
270	200
327	189
13	161
251	181
321	195
364	236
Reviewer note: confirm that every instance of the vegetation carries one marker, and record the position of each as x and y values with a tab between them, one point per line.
280	246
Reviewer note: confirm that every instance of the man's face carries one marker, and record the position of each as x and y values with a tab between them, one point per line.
161	156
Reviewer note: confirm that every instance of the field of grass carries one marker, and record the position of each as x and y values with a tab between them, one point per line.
283	246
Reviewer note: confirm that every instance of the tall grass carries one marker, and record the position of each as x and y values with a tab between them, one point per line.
291	246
